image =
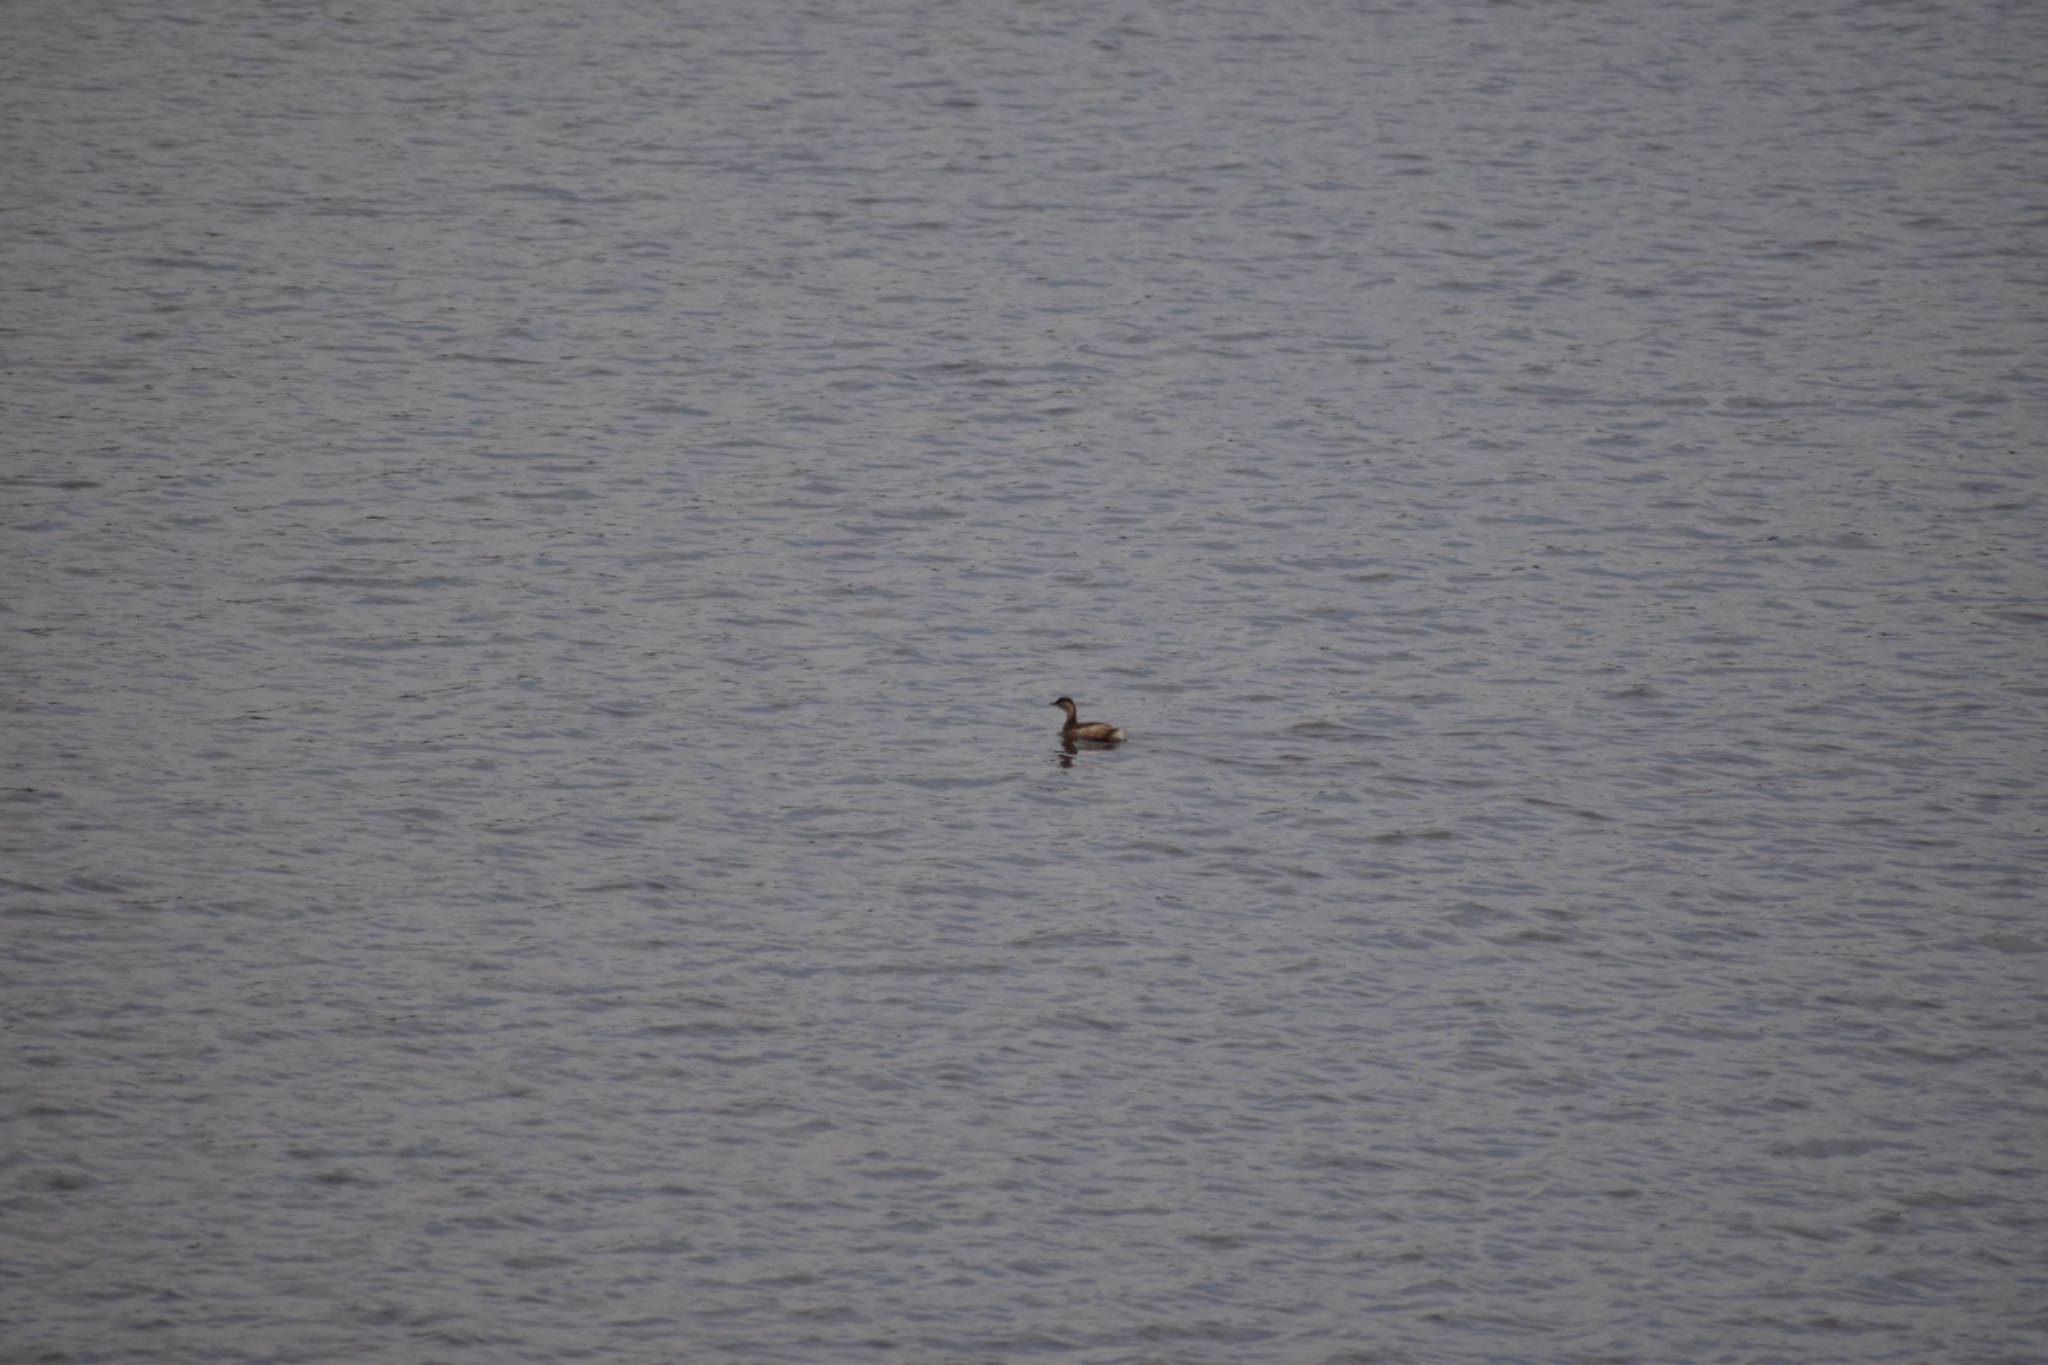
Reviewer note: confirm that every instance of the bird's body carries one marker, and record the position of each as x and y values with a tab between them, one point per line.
1096	731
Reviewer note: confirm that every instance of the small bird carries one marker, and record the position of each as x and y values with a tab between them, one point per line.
1100	731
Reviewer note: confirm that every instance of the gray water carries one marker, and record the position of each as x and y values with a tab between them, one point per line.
539	541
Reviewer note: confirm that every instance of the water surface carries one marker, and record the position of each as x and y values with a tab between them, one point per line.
539	542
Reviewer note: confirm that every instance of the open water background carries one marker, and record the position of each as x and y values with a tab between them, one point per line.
538	540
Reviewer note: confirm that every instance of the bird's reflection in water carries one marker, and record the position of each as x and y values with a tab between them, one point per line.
1070	748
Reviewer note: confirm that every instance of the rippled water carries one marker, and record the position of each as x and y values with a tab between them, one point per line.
539	541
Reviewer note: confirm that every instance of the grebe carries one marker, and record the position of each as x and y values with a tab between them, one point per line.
1100	731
